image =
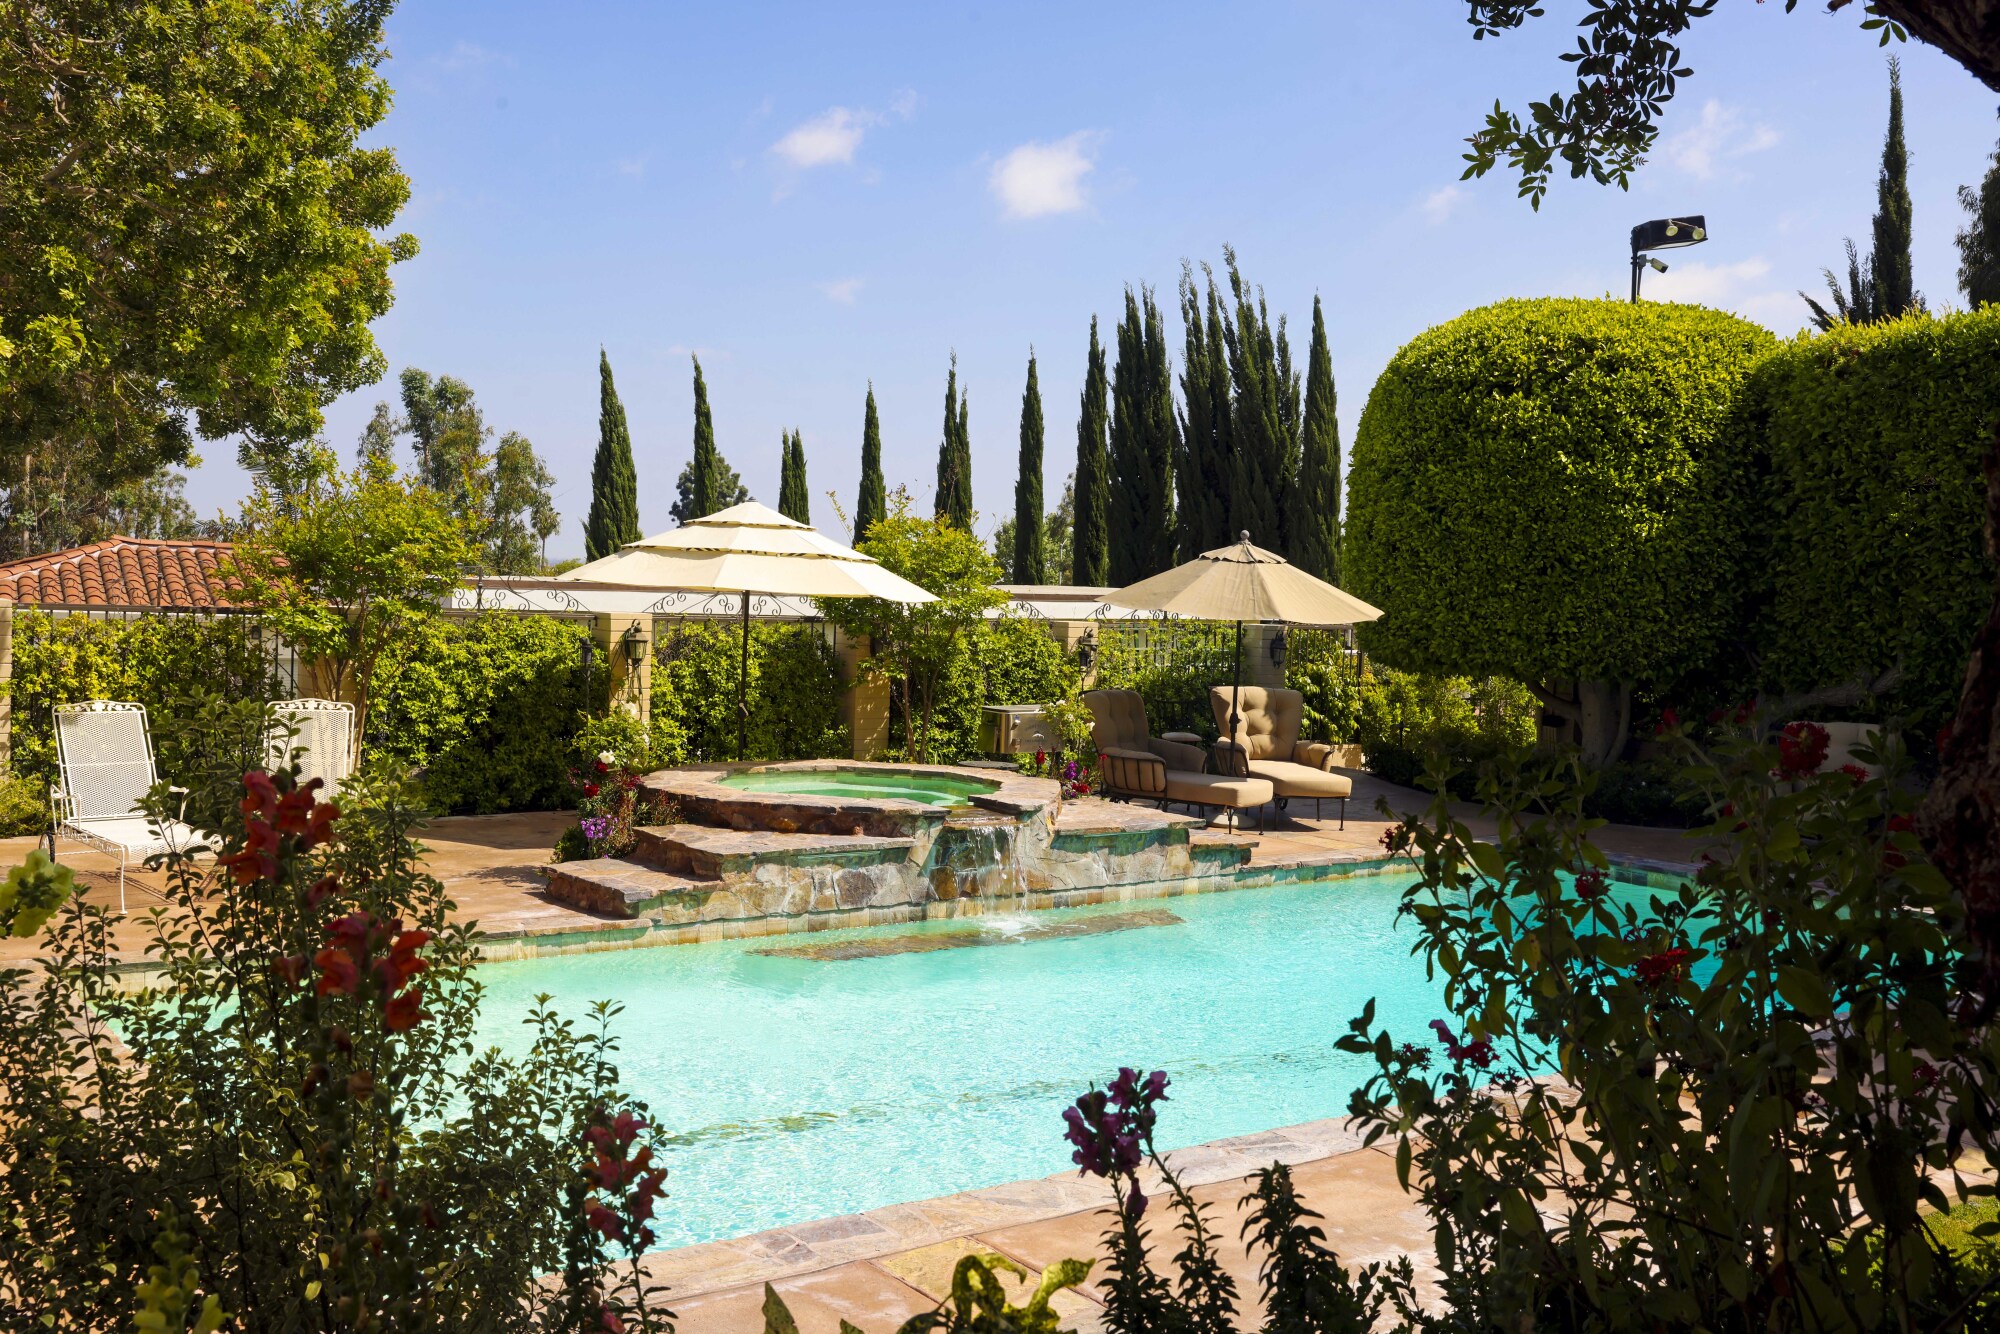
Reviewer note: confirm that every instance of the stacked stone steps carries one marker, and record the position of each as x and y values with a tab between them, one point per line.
615	887
733	854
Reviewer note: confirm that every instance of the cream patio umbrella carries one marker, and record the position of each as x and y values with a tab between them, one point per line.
748	549
1244	583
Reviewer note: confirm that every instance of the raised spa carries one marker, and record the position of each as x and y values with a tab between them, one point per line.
929	788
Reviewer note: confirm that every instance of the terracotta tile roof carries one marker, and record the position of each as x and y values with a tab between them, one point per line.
130	572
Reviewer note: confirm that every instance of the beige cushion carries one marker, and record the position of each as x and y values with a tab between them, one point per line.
1298	780
1118	718
1218	790
1267	719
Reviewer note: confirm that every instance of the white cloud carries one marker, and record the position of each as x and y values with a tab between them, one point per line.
828	138
1720	137
833	136
466	55
842	290
1740	287
1036	180
1441	203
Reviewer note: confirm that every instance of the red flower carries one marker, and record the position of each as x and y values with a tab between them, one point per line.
1041	759
338	974
1925	1074
1478	1052
1745	711
295	808
1669	721
1856	772
401	963
602	767
321	890
402	1012
1591	883
319	827
608	1318
291	969
603	1220
1902	824
590	789
1666	966
1801	749
260	796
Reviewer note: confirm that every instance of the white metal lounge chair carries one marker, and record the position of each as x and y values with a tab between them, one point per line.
104	754
323	736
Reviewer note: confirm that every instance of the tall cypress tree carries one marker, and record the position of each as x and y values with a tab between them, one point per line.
1143	433
1979	243
1317	529
954	469
872	506
1029	567
1880	287
614	482
1090	550
1204	482
1262	426
1895	288
793	498
706	482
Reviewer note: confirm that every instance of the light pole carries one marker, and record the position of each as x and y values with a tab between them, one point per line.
1663	234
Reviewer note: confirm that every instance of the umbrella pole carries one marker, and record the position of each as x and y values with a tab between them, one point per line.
1236	693
743	681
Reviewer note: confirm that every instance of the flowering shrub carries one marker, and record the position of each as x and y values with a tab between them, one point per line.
610	803
286	1127
1717	1107
1076	776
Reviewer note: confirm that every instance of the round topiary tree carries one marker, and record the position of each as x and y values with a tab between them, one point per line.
1541	489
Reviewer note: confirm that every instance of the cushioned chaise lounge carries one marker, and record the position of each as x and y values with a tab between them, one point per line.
1137	764
1267	745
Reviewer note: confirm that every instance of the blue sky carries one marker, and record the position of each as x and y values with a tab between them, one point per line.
814	195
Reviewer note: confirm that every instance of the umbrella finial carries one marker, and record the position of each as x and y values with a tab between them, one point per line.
1245	535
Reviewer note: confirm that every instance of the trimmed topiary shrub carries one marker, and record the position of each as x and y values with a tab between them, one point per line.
1542	490
1878	576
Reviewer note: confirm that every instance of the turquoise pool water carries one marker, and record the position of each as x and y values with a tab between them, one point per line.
800	1088
931	789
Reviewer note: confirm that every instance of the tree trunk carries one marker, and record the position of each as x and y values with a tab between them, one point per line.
1598	713
1959	821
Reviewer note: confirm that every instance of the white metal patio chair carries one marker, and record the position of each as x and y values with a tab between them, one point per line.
323	736
104	758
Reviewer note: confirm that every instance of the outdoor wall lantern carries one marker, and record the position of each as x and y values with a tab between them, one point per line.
633	643
1663	234
1086	648
1278	649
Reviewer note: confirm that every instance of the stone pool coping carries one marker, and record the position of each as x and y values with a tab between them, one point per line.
1014	794
798	1249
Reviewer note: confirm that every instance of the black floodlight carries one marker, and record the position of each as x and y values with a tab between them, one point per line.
1663	234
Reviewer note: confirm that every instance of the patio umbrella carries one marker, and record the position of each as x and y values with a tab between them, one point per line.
1244	583
748	549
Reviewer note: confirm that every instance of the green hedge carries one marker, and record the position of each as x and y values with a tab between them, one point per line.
167	663
1405	717
794	692
1171	664
487	705
1008	660
1875	437
1327	676
1539	489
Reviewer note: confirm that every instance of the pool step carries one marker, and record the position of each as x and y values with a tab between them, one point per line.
615	887
734	854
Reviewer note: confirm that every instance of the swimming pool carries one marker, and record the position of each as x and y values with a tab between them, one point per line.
804	1084
932	789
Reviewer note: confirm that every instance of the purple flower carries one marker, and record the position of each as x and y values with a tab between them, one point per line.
596	827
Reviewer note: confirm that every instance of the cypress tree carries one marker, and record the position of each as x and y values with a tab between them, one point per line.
953	503
1979	243
1261	426
614	482
706	481
1029	567
1090	551
1204	480
1143	433
1317	527
1895	290
872	506
793	499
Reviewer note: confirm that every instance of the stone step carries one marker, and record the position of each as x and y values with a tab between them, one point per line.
731	854
614	887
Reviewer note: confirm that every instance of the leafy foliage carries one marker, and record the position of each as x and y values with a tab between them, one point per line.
1007	660
485	706
917	646
978	1302
1870	557
1881	288
192	240
1328	678
1408	718
1171	664
794	693
1544	490
166	663
1719	1106
289	1124
1979	242
348	567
